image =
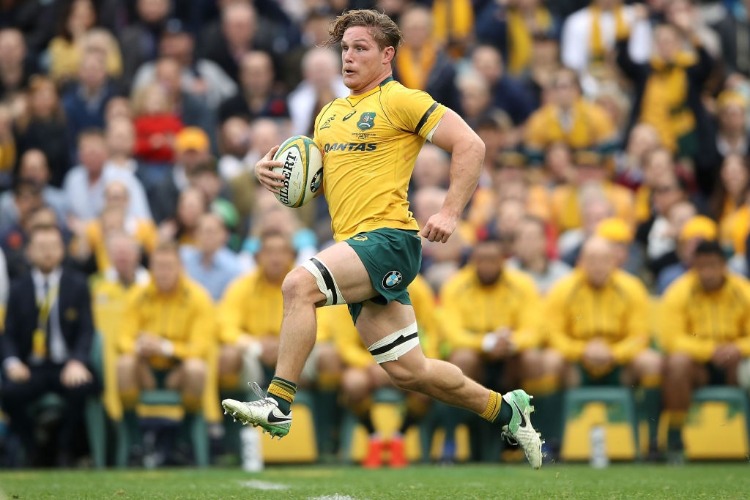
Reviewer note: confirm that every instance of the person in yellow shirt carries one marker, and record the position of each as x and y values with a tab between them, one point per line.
705	326
363	376
369	141
569	118
489	324
596	319
166	334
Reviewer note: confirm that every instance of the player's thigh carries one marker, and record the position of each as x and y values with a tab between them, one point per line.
377	321
348	272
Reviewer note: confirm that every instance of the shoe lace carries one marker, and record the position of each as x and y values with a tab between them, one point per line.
509	437
259	394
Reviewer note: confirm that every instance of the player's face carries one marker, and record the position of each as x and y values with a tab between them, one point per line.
710	270
363	62
165	270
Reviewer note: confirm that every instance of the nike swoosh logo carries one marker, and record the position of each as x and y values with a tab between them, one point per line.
523	418
349	115
273	419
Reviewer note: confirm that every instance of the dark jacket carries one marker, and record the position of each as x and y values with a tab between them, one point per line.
76	323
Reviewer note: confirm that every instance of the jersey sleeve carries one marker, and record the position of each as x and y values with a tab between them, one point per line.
414	110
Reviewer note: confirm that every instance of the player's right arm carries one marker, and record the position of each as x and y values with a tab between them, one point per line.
467	150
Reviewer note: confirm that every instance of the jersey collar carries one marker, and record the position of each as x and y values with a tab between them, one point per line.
359	97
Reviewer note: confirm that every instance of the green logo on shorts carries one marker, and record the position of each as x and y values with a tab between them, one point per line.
366	121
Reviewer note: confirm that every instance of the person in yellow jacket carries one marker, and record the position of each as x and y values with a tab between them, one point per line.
363	376
596	319
569	118
489	323
705	325
168	331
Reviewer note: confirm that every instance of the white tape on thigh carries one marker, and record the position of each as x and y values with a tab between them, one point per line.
395	345
333	295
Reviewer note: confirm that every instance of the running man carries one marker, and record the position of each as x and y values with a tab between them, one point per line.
370	141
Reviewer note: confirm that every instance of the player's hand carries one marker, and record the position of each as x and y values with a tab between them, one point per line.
726	355
17	372
439	227
265	174
74	374
148	345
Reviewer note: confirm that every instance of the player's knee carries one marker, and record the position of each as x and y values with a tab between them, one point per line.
329	360
127	365
552	362
299	287
355	384
194	369
679	365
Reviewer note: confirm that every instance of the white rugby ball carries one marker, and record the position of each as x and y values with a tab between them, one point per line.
302	169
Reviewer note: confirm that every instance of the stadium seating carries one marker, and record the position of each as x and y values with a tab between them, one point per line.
612	407
717	427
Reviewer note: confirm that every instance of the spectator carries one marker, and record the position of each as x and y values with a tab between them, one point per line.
314	33
544	64
322	83
730	133
592	171
695	230
74	37
234	144
19	204
532	256
619	234
630	165
120	138
568	118
596	319
15	240
513	28
490	321
7	148
730	196
420	63
199	77
250	313
589	36
4	286
87	98
431	169
507	93
657	236
16	65
210	263
43	127
257	97
733	28
595	207
46	344
453	25
191	205
85	184
668	87
191	149
240	32
475	95
141	37
168	329
32	168
91	238
362	376
34	19
702	348
156	125
192	109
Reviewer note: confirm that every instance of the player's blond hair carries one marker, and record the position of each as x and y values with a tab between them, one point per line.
382	28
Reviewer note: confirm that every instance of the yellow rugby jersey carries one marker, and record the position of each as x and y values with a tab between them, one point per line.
369	144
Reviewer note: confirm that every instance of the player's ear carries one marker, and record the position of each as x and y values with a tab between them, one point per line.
388	54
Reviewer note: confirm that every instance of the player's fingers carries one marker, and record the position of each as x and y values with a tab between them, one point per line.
271	152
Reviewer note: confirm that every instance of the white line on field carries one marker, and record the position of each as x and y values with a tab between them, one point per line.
263	485
332	497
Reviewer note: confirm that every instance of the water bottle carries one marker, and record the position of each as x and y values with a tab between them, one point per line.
598	457
252	456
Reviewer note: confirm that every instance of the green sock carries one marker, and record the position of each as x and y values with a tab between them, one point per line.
652	410
283	392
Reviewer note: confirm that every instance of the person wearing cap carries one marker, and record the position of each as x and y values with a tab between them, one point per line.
620	236
705	330
591	172
697	229
596	318
191	147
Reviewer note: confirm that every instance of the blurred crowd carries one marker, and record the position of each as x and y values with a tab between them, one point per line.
615	186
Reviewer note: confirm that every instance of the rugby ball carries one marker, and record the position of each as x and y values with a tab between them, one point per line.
302	170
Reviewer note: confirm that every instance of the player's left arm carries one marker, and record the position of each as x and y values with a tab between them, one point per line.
455	136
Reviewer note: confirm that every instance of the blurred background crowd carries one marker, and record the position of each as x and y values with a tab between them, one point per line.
615	183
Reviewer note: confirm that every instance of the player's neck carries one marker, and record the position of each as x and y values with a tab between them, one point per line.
376	82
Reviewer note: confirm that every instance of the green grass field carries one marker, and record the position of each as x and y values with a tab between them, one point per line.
714	481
